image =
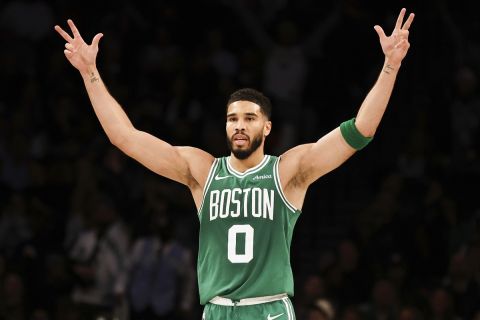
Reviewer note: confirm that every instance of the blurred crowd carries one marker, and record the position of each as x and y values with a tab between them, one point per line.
86	232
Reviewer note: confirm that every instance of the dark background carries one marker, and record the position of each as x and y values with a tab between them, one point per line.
402	213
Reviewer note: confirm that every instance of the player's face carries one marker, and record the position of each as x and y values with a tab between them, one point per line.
247	128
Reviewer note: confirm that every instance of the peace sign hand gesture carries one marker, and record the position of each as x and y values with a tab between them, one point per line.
81	55
395	46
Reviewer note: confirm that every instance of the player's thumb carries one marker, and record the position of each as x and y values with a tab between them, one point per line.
380	32
96	40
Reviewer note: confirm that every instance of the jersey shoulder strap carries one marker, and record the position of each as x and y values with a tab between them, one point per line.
211	174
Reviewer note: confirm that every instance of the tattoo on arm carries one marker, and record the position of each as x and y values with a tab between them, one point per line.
388	68
93	78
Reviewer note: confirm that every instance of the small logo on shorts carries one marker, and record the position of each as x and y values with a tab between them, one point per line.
269	317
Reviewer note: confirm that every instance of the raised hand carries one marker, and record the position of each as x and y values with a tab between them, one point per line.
395	46
81	55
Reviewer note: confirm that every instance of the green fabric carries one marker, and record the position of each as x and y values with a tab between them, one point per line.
353	137
278	310
246	228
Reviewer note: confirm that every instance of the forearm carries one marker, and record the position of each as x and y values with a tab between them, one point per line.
112	117
373	107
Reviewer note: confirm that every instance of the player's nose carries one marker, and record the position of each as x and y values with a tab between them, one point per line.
240	125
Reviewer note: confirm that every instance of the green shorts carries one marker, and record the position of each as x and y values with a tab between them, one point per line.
276	310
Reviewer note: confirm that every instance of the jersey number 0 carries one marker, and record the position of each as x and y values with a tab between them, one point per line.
232	243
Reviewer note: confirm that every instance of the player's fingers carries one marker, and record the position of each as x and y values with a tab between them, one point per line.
96	40
69	46
64	34
380	32
68	53
398	25
74	28
409	21
403	34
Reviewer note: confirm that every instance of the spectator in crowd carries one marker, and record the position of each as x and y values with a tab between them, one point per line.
285	68
383	303
409	313
13	304
162	277
441	306
321	309
98	262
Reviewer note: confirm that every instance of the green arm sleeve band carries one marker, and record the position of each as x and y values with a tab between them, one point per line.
353	137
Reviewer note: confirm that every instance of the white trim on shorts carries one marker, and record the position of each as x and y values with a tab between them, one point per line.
247	301
288	306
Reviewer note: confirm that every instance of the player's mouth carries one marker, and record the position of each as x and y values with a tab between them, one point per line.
240	139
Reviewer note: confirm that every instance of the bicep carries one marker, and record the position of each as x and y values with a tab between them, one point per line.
306	163
325	155
164	159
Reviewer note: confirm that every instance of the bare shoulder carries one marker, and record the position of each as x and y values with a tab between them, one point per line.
308	162
199	163
289	166
293	179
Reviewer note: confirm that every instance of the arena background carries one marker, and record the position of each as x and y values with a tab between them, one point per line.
393	232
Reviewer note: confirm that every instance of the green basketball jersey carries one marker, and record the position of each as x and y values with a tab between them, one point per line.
246	227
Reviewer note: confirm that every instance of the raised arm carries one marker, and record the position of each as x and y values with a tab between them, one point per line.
183	164
304	164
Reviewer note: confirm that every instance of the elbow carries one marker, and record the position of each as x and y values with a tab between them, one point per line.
366	129
367	132
119	139
116	141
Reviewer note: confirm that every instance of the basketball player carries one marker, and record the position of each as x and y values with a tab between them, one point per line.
248	202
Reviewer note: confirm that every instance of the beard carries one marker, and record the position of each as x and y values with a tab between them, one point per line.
245	153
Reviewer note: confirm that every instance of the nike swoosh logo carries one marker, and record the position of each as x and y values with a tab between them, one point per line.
217	177
269	317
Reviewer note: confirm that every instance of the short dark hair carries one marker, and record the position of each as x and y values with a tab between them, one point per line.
255	96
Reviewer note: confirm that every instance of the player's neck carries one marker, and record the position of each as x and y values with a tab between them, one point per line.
241	165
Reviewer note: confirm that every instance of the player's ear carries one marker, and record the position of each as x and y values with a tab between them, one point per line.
267	128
